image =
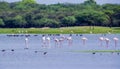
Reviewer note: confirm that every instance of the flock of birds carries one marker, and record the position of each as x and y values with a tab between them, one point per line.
58	41
46	40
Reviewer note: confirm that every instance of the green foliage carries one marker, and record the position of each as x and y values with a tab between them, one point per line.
28	1
27	13
19	21
49	22
91	17
4	6
1	23
69	21
90	2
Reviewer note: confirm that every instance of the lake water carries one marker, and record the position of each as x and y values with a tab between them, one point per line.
61	55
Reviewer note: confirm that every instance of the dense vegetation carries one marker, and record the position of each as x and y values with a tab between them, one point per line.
28	13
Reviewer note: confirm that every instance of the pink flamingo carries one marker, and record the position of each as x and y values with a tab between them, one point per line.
107	41
101	40
26	43
116	40
84	40
69	40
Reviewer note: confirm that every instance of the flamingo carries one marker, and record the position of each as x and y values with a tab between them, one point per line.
62	36
56	41
69	40
84	40
48	41
101	39
26	43
44	41
115	39
61	40
107	41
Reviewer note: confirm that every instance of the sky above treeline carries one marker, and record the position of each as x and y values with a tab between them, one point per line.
69	1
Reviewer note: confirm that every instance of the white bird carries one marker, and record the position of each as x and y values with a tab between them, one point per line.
61	41
44	41
43	38
48	41
26	43
84	40
107	41
56	41
101	39
62	36
115	39
69	40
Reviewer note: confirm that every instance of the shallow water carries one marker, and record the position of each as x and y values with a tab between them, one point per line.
58	57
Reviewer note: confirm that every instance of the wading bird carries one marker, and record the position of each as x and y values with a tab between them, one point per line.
26	43
43	41
69	40
107	41
56	42
84	40
48	42
101	40
116	40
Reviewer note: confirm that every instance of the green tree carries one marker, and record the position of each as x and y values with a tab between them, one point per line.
110	15
49	22
25	5
90	2
92	18
29	1
68	21
1	23
28	13
112	10
15	22
19	21
4	6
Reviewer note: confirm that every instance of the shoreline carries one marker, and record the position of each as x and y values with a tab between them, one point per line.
62	30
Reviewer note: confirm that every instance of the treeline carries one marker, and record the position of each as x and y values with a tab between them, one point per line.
28	13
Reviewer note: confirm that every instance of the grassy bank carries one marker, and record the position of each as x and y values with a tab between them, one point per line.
98	51
63	30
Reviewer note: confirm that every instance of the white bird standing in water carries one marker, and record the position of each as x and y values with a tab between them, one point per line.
26	43
84	40
69	40
116	40
107	41
101	40
61	41
44	41
56	41
48	41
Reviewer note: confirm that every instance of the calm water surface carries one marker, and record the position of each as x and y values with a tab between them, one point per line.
59	56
